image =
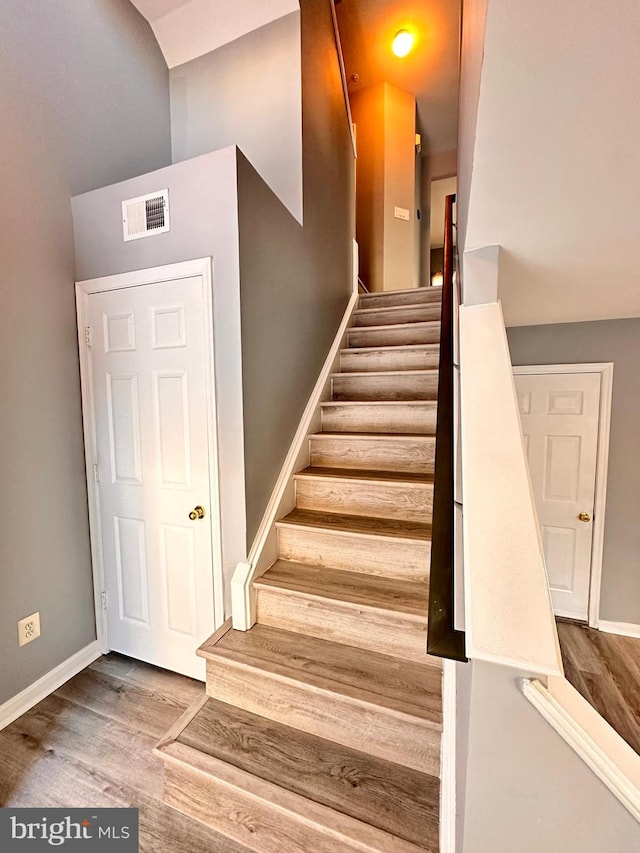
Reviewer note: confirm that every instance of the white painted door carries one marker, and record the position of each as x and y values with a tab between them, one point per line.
559	415
150	412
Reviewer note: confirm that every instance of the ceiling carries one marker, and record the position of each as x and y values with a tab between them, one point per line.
430	72
154	9
186	29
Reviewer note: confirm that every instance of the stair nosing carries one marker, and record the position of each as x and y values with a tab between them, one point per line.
379	403
304	474
352	436
427	371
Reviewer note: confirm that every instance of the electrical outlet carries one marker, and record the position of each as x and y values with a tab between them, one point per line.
28	629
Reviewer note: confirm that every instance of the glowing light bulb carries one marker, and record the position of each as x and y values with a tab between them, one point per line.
403	43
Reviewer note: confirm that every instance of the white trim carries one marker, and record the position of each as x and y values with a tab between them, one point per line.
45	686
448	759
202	267
625	629
355	266
605	369
610	758
263	551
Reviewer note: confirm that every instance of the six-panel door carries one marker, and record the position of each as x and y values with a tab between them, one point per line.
149	399
559	415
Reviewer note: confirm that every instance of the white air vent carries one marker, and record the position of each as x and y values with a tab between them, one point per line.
146	215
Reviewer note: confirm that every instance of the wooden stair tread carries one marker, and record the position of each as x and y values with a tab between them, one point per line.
432	324
392	348
373	374
380	680
436	292
390	310
358	524
373	436
395	799
355	588
429	403
363	474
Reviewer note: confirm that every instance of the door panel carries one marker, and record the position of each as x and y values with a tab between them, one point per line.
559	415
149	393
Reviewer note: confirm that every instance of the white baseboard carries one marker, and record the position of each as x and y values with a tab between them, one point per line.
448	759
626	629
43	687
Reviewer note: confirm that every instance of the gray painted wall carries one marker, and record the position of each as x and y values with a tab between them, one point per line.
617	341
204	223
525	789
246	93
84	100
295	281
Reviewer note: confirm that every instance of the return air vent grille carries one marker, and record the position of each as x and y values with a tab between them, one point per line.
146	215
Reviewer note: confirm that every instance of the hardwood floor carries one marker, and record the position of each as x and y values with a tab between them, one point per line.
605	669
90	744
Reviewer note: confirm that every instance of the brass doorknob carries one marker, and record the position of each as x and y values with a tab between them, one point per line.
584	516
197	512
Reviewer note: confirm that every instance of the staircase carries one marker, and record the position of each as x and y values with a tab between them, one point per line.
322	725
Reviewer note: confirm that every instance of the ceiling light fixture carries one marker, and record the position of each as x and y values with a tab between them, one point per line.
402	43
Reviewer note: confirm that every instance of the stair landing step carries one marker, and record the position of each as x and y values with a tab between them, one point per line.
278	766
358	525
352	588
378	679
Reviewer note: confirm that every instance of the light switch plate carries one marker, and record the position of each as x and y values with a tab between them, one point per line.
401	213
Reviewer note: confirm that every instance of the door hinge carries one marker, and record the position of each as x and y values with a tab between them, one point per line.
88	336
104	601
96	473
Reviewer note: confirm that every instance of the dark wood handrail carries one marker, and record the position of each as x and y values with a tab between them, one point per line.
443	640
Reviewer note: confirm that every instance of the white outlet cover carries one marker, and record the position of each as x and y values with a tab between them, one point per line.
28	629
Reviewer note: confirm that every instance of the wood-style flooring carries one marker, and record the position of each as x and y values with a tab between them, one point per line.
605	669
90	744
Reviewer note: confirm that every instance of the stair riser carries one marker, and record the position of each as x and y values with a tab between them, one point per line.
374	454
410	314
383	387
266	826
360	362
396	419
404	740
384	557
419	296
390	633
410	502
421	333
